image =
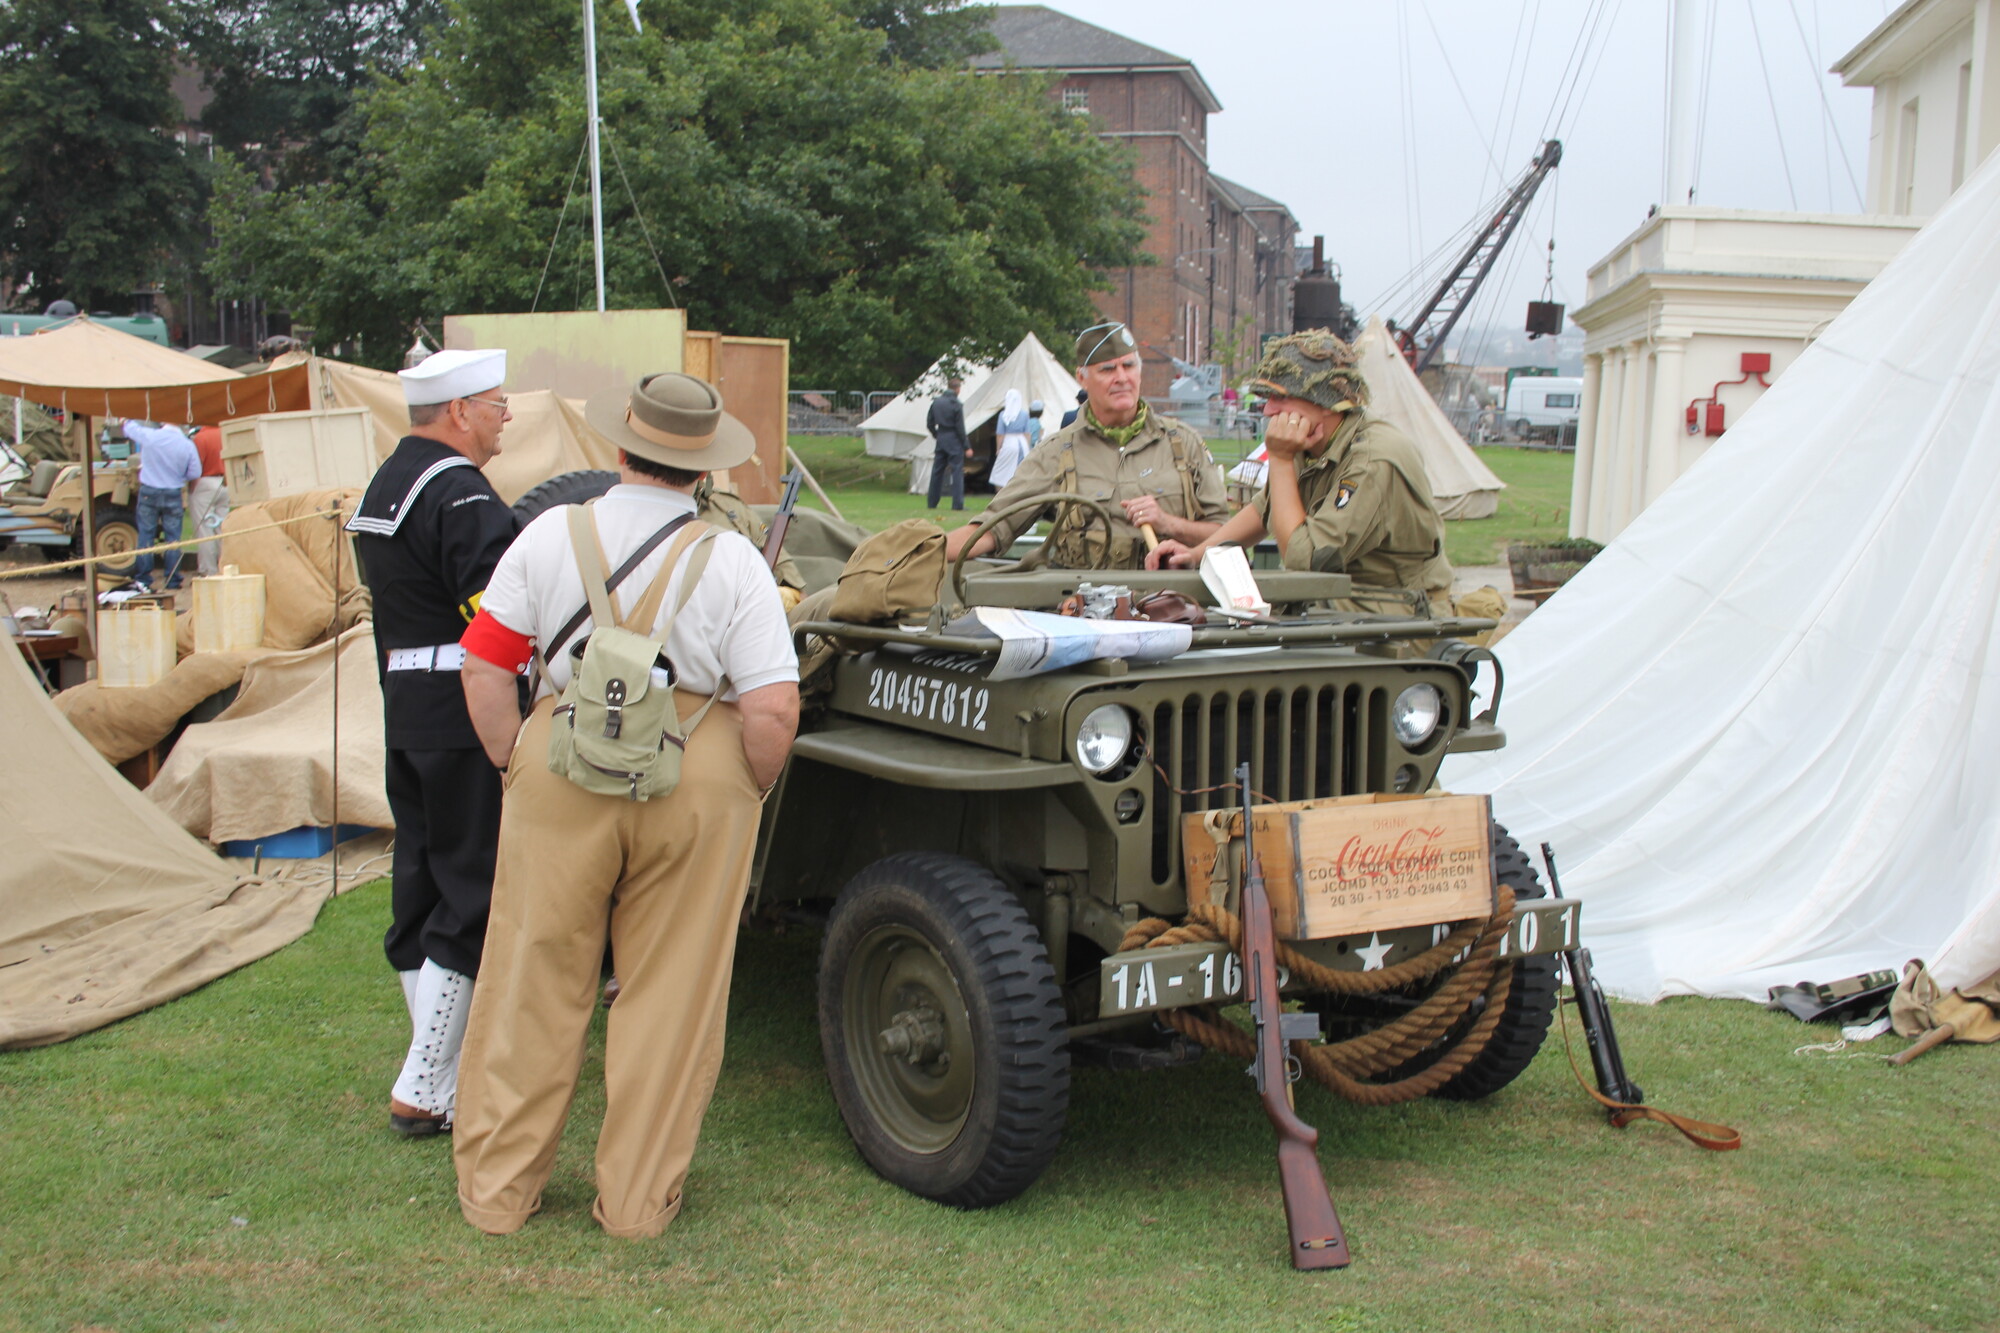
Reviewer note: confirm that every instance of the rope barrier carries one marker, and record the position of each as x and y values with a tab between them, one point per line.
82	562
1349	1068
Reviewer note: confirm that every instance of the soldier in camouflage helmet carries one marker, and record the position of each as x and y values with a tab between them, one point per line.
1145	467
1345	492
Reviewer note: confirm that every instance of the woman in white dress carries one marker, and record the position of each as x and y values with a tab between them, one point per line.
1010	439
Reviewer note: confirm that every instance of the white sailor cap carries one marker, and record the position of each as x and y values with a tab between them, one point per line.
443	376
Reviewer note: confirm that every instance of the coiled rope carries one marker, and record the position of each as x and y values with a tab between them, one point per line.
1349	1067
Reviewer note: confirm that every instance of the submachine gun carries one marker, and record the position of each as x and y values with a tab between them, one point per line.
1605	1058
1317	1240
781	522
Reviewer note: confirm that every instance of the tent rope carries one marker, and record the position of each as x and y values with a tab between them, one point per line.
81	562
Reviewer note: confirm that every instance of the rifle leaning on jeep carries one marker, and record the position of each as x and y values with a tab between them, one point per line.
1317	1240
781	522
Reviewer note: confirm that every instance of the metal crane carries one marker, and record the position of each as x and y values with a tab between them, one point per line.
1423	337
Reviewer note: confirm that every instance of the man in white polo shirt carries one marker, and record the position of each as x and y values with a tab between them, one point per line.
663	879
428	532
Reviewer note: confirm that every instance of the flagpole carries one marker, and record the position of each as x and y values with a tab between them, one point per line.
596	166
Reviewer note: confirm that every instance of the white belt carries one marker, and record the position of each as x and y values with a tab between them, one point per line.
438	657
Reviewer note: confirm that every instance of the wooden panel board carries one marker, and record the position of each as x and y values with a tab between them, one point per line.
1361	863
754	374
575	352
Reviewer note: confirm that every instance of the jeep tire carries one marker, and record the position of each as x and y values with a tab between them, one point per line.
567	488
1531	1002
942	1028
117	532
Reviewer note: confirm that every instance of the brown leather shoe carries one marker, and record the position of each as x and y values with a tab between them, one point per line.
413	1122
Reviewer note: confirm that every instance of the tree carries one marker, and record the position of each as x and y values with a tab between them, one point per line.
283	74
785	175
94	188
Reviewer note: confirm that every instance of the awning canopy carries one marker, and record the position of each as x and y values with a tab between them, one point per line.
87	368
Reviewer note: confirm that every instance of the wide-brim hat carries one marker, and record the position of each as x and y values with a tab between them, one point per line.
673	419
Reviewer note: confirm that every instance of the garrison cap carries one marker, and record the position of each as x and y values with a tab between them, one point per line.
1315	366
1103	342
443	376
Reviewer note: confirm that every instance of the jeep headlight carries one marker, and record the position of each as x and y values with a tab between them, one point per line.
1104	738
1416	715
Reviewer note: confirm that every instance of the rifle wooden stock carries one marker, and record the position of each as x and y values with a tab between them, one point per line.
781	522
1317	1238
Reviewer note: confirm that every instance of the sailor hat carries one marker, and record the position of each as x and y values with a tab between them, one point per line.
443	376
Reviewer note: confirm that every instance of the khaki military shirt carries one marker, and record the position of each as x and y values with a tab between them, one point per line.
727	510
1150	464
1369	512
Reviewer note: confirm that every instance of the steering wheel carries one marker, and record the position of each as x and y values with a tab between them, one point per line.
1099	511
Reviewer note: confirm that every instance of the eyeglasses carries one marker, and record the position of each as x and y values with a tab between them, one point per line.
500	402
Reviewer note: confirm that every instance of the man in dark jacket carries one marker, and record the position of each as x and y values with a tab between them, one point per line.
946	423
428	532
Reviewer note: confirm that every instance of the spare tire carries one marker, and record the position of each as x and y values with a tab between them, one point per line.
570	488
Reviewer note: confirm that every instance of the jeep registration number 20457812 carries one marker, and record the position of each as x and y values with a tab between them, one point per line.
928	698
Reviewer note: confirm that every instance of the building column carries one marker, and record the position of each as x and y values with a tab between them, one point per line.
1663	440
1632	435
1586	446
1610	448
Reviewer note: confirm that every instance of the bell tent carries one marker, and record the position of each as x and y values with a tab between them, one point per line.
1029	368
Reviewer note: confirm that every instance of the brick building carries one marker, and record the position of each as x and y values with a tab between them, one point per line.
1223	254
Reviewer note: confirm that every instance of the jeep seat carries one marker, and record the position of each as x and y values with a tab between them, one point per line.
42	479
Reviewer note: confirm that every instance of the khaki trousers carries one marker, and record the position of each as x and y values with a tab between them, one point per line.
664	881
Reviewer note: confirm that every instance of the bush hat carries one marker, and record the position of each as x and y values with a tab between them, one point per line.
673	419
1314	366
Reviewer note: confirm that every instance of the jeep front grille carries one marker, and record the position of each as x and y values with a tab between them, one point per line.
1302	742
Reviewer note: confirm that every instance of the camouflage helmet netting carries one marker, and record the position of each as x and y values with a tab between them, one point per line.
1313	365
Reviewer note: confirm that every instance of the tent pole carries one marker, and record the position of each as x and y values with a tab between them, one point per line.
596	167
813	482
90	537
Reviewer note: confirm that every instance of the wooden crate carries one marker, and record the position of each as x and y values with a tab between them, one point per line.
290	453
1358	864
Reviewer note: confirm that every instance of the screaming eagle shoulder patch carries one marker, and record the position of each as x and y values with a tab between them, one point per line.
1343	495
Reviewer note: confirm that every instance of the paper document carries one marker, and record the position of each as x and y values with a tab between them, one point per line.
1033	642
1226	572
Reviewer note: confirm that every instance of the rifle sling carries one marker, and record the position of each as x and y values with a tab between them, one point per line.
617	577
1701	1133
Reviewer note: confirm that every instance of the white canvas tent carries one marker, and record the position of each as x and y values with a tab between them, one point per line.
1462	486
897	430
1029	368
1762	729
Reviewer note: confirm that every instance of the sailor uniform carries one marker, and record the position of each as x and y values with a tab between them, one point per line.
428	533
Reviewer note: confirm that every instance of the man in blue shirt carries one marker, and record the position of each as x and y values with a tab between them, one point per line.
168	464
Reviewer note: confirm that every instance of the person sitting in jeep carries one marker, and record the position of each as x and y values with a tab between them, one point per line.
1346	492
1157	469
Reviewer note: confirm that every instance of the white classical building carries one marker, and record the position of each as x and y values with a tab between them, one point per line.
1670	314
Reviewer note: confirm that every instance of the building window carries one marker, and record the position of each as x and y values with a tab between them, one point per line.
1076	101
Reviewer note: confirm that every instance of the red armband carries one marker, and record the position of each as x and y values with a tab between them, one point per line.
490	641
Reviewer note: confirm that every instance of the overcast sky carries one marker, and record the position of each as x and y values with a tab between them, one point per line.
1349	112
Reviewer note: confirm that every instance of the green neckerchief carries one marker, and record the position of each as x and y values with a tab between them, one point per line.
1121	435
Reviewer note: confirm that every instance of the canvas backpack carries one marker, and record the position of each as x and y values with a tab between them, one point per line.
616	730
891	574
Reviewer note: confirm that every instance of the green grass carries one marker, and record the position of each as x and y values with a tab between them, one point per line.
1534	507
223	1162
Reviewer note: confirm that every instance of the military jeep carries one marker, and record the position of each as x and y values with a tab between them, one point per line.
990	846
